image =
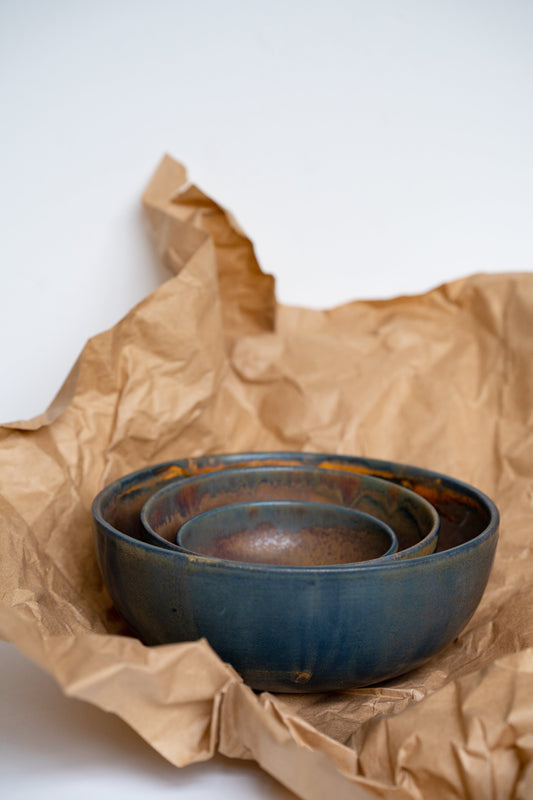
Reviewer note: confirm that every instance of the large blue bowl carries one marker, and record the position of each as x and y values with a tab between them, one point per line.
287	629
414	521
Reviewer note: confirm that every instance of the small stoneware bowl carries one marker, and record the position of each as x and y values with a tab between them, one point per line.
414	521
287	629
287	533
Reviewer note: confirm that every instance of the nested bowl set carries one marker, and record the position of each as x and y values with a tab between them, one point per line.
306	572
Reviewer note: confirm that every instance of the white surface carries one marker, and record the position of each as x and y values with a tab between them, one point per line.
53	746
368	149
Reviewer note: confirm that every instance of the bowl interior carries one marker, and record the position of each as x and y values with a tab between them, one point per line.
287	533
414	521
464	512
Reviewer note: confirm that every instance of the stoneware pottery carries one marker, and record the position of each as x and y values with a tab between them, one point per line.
287	533
288	629
414	521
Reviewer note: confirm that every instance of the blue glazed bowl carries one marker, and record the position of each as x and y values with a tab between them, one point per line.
287	629
414	521
284	532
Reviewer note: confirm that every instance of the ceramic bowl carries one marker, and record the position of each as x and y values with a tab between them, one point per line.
414	521
287	629
287	533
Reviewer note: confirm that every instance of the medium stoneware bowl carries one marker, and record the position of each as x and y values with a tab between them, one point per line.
414	521
287	629
287	533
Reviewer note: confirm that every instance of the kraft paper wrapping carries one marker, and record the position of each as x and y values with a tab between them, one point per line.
211	363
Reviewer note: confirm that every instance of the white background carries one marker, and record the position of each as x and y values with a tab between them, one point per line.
368	148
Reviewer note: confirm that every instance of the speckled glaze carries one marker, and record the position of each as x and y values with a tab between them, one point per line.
286	533
414	521
291	630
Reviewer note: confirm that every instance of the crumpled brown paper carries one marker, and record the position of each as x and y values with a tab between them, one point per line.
211	363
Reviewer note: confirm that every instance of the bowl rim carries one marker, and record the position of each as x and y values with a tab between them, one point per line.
309	505
489	532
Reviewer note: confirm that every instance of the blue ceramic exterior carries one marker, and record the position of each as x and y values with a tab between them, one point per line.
414	521
285	532
288	629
